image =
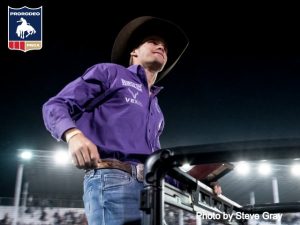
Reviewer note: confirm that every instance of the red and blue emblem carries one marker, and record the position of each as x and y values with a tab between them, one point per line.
25	28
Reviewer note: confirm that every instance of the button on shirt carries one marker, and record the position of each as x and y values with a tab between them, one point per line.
128	122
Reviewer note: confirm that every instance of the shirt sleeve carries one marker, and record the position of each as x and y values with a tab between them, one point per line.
59	111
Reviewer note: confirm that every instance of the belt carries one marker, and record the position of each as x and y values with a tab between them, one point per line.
125	166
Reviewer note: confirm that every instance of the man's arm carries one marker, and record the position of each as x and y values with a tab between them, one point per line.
59	110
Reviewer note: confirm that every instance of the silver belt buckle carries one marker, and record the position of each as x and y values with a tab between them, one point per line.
140	172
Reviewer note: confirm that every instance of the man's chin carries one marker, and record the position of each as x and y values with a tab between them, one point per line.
157	66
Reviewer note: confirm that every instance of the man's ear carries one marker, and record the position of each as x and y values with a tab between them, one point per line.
133	53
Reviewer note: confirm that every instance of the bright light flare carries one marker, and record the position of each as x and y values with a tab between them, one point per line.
264	168
242	168
186	167
295	170
27	155
62	157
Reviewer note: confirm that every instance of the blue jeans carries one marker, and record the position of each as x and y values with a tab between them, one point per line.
112	197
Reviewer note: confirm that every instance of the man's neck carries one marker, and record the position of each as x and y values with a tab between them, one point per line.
151	77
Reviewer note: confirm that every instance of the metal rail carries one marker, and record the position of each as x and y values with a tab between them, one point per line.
165	160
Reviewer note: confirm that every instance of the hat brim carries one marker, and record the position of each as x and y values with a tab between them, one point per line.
136	30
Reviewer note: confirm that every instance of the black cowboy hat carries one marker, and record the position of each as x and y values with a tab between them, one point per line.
135	31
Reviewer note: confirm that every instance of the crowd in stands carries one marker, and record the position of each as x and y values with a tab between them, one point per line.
75	216
44	216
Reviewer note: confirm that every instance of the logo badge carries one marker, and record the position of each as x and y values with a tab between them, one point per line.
25	28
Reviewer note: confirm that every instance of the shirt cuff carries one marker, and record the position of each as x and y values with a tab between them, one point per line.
64	125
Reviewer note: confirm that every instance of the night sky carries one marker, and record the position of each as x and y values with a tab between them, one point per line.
238	80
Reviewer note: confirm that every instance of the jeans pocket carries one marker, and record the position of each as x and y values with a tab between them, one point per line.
115	180
91	179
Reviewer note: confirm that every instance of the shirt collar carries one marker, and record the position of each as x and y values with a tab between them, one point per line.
140	72
136	69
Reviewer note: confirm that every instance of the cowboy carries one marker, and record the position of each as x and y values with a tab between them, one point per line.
111	139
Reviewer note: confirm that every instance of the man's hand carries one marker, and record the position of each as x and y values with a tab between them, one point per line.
84	152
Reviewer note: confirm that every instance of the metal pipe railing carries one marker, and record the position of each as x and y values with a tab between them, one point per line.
160	162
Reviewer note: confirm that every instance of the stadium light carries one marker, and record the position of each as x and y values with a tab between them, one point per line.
62	157
242	168
295	170
264	168
26	154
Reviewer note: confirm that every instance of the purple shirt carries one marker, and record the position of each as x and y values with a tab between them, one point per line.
125	126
